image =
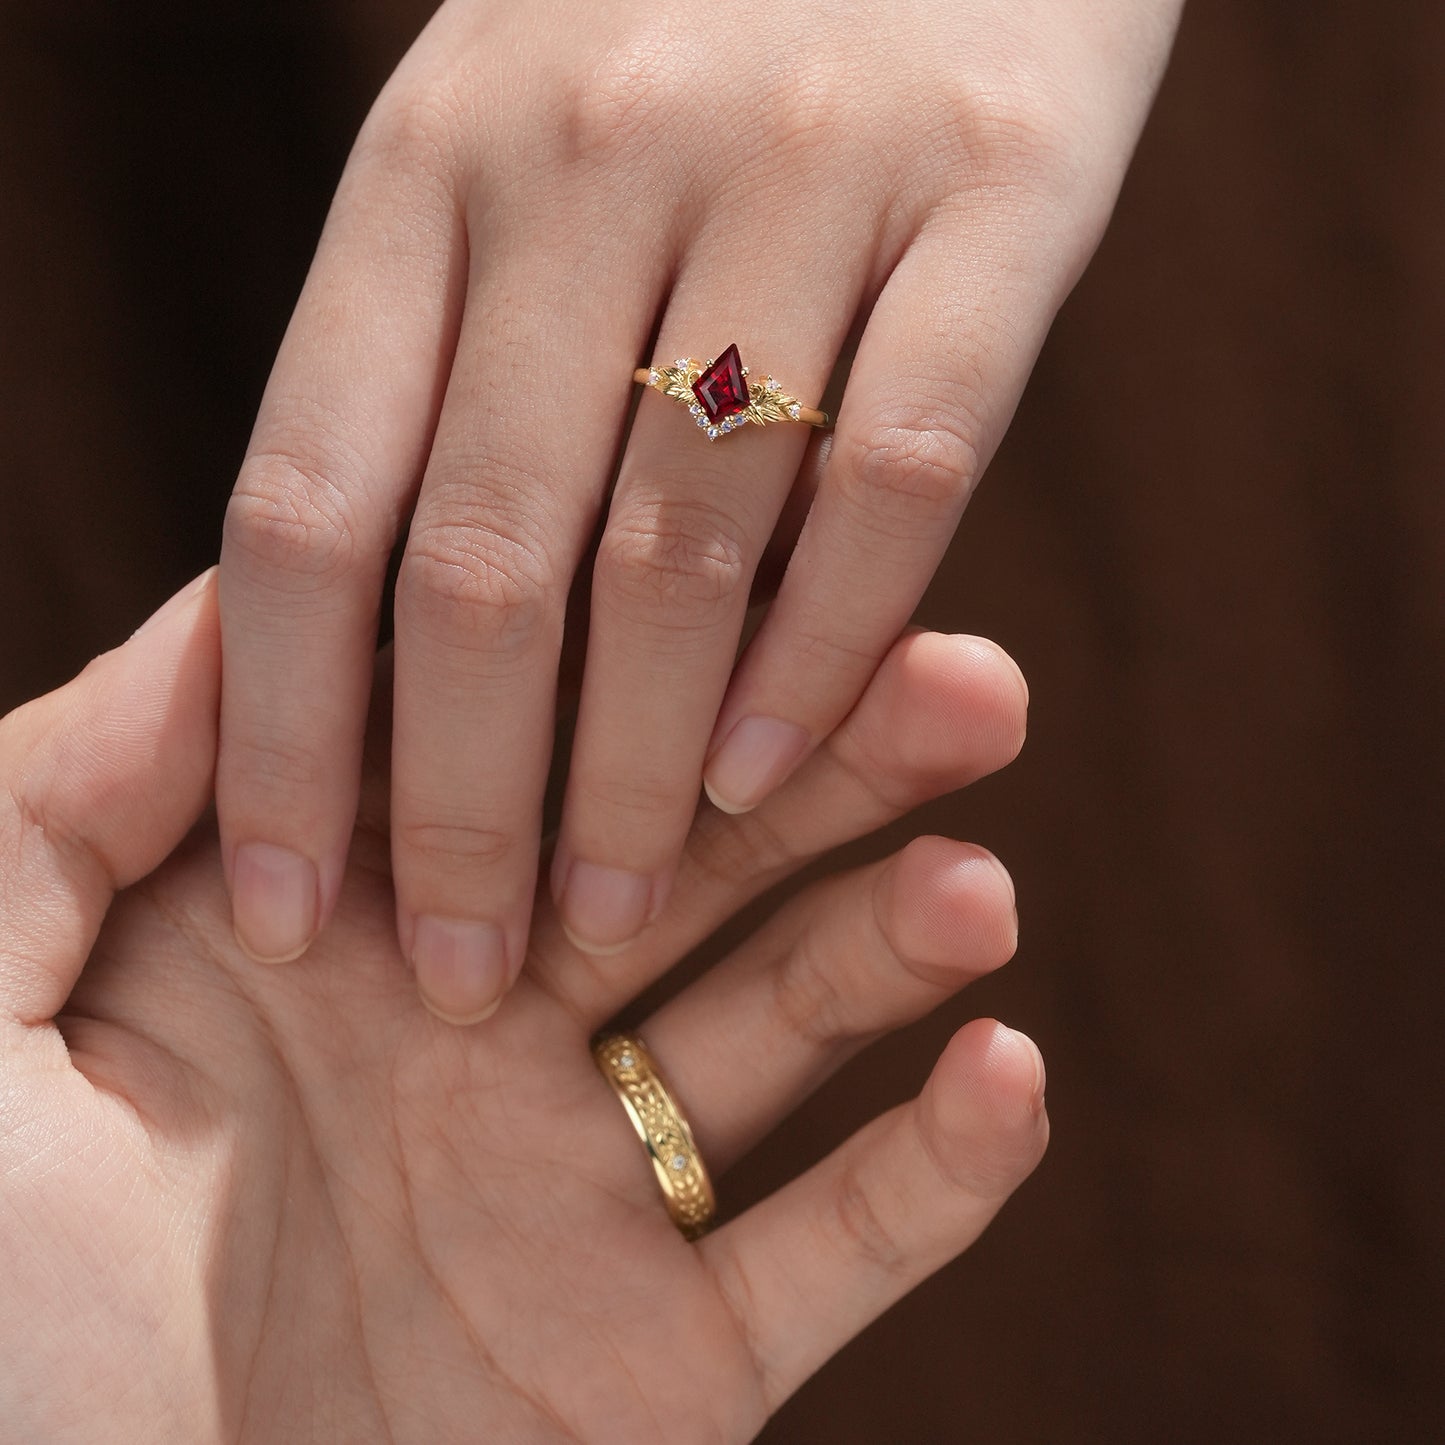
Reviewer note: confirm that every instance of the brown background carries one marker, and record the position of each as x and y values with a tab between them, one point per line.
1213	540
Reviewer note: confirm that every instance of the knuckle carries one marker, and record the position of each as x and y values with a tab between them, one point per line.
856	1229
824	649
474	587
454	844
1013	138
743	1301
807	1000
277	761
738	850
677	565
289	523
40	805
416	132
914	467
869	760
620	104
805	109
638	797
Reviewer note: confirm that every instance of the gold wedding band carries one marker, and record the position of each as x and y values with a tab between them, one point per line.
721	397
627	1065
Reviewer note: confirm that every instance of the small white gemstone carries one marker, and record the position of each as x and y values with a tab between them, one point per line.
694	408
625	1061
653	378
795	412
770	383
677	1163
712	433
682	363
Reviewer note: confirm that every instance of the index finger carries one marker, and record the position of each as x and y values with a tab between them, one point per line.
335	459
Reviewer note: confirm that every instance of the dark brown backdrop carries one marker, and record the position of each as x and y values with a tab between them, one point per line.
1213	540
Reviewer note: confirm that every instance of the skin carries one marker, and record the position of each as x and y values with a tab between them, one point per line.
536	191
249	1203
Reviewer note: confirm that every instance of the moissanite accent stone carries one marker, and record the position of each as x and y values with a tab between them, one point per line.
722	389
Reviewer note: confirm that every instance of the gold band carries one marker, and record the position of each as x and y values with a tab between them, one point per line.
767	401
627	1065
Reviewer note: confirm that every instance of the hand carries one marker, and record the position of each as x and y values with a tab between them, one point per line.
247	1203
538	188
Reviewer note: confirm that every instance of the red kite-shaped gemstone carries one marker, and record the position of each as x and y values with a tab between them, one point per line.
722	388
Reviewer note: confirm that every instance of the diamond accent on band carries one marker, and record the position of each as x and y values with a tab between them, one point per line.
677	1163
722	389
625	1061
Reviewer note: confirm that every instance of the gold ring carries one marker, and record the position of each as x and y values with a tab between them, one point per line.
722	398
627	1065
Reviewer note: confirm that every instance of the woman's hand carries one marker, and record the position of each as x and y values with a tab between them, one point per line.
248	1203
546	196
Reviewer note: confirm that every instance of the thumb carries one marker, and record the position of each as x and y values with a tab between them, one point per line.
99	781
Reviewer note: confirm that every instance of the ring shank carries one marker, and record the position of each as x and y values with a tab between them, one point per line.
629	1067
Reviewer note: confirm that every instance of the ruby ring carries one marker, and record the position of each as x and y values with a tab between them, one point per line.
721	397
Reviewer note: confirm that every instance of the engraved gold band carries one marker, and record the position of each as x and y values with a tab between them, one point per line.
722	397
627	1065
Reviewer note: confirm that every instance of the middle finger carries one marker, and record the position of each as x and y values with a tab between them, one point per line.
520	463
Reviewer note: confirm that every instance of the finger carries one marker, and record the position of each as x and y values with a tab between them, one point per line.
330	472
509	502
940	712
688	523
804	1271
855	956
102	779
937	376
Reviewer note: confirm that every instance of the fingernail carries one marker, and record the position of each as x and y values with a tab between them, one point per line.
169	609
273	901
1011	1039
461	967
753	759
603	909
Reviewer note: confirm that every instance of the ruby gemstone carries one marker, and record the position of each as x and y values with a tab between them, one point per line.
722	388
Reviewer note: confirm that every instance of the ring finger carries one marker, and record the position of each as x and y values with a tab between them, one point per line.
688	523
